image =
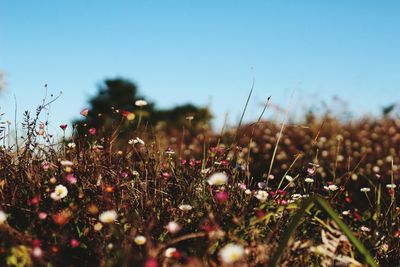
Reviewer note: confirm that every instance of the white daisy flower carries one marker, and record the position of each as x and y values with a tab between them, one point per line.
218	178
289	178
262	195
66	163
169	252
135	141
141	103
3	217
173	227
140	240
391	186
365	189
185	207
231	253
309	180
109	216
59	192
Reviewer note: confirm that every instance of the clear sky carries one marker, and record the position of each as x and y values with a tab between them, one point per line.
201	52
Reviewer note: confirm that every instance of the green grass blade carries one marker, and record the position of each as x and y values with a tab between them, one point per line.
346	230
296	220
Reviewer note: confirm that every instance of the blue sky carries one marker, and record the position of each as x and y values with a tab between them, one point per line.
201	52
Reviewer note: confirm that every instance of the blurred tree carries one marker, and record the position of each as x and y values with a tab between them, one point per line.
387	110
118	97
189	116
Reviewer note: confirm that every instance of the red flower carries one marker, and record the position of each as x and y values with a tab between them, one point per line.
34	201
63	126
282	192
260	214
151	263
221	197
36	243
177	254
74	243
357	216
92	131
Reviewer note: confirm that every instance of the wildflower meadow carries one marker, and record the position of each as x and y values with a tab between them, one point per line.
321	192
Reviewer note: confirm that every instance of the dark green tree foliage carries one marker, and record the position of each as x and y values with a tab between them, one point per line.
118	96
185	115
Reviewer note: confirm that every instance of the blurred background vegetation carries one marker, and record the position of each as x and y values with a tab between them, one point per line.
117	98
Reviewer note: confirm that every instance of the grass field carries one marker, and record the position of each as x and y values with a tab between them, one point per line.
318	193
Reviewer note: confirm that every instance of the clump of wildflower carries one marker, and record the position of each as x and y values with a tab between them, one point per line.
231	253
109	216
219	178
59	192
262	195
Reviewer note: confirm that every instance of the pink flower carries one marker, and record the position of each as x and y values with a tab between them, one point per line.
71	179
84	112
36	242
63	126
173	227
92	131
37	252
45	165
151	263
42	215
74	243
34	201
221	196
